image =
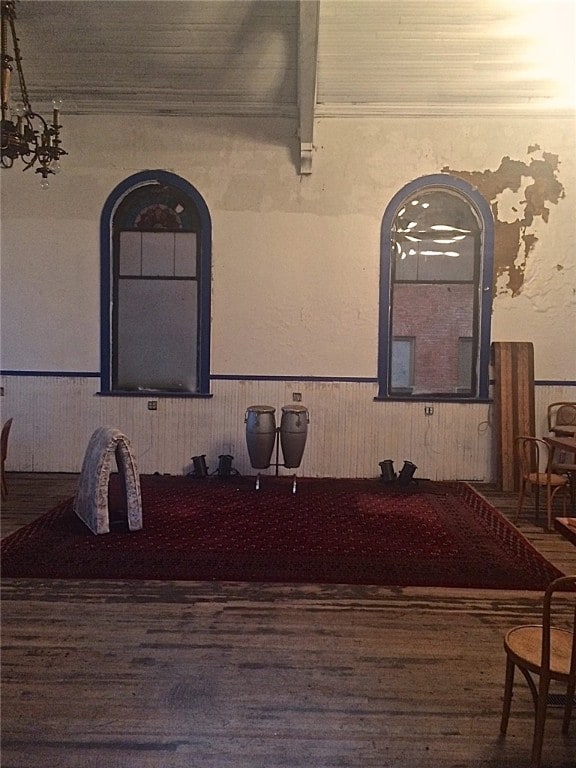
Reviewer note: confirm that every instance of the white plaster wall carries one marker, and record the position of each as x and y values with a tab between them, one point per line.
295	259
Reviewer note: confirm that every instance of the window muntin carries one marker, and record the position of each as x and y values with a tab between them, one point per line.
437	238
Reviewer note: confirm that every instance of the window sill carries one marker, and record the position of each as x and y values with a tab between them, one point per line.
432	399
154	394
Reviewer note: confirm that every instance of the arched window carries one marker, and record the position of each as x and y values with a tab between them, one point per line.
435	292
155	287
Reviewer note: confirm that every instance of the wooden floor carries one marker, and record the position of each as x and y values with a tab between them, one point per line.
209	675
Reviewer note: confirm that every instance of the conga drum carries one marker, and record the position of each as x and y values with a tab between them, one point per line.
293	433
260	434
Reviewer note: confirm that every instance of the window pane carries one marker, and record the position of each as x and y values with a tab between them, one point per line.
454	262
402	363
158	254
185	254
405	262
157	331
130	253
436	316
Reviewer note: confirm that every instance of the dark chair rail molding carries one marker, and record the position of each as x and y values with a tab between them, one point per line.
259	377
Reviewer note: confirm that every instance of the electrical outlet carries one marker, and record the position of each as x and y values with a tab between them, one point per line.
296	397
152	405
428	410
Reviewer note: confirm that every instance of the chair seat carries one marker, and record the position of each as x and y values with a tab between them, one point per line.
541	478
525	643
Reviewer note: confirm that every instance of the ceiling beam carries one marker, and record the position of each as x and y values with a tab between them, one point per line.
309	12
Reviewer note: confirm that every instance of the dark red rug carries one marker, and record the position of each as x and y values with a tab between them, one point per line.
430	534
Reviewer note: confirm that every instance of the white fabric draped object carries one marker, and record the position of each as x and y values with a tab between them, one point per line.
91	502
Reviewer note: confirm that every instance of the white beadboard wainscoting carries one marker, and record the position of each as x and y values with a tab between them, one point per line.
348	435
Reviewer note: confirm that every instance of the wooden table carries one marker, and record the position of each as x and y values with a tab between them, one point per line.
566	526
567	444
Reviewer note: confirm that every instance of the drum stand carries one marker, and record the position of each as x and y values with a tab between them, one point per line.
277	465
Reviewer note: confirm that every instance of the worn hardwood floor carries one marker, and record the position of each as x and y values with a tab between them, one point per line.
210	675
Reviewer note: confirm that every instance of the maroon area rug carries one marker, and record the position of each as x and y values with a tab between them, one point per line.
429	534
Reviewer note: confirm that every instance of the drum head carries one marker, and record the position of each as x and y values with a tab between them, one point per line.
261	409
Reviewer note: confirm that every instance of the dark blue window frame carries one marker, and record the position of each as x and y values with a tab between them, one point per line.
484	213
204	277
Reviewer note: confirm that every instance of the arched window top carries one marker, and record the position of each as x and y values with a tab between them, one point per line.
439	212
435	291
466	198
156	200
157	207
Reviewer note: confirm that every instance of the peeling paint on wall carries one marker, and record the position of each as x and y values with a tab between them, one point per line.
519	194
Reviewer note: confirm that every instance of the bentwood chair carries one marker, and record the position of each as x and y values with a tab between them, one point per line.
564	467
3	454
562	423
548	653
535	463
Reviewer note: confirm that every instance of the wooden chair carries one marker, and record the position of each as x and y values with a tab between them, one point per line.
564	463
535	463
562	419
3	454
547	652
562	423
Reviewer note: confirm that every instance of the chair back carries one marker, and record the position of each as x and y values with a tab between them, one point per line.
4	439
561	414
563	584
534	455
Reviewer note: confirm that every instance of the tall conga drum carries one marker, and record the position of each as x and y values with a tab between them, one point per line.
293	433
260	434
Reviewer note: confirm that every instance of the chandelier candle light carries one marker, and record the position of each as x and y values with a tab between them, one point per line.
31	138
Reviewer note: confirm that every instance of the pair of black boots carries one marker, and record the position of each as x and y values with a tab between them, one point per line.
225	468
404	478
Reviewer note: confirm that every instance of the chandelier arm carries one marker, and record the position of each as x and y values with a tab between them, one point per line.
6	64
35	115
18	59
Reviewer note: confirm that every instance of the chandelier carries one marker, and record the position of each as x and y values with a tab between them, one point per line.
25	134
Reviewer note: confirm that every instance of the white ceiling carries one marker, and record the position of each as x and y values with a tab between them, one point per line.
300	58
